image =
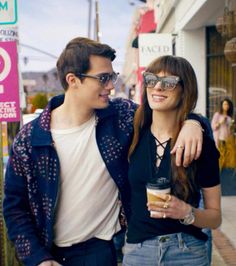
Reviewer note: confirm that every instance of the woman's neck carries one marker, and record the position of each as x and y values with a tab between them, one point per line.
163	125
224	113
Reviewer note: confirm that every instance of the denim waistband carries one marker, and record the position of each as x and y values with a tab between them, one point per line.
168	239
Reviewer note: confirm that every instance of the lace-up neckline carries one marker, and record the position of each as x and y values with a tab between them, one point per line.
160	150
157	149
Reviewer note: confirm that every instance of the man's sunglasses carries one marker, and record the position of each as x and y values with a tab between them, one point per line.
104	78
167	83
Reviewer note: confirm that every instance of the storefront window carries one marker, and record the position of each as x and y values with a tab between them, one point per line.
221	76
221	85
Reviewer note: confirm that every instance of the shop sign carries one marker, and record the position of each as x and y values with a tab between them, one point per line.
8	12
153	45
9	83
8	33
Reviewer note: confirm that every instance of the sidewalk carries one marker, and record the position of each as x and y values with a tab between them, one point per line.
224	238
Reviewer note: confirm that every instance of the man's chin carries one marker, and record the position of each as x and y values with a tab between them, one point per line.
102	105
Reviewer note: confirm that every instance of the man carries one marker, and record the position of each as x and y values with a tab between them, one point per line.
67	173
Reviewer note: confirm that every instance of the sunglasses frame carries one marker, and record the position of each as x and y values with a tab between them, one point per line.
175	79
100	76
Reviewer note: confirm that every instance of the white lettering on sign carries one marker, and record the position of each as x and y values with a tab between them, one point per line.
8	110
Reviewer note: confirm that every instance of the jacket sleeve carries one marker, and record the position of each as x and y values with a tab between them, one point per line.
17	212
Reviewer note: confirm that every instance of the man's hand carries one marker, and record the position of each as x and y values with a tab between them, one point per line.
188	145
49	263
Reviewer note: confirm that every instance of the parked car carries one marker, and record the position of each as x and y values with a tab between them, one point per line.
29	117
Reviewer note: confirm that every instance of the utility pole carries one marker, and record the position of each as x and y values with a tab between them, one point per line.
97	21
89	18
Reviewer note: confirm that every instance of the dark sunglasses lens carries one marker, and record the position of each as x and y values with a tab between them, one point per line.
150	80
169	83
105	78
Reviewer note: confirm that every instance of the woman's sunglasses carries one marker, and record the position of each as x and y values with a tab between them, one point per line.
167	83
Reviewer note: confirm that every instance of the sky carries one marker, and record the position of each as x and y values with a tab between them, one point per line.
50	25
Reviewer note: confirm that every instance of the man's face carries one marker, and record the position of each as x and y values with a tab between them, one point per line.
91	92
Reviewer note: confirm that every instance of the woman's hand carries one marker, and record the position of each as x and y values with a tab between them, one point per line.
170	207
188	145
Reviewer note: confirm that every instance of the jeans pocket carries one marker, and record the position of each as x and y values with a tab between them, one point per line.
195	246
131	247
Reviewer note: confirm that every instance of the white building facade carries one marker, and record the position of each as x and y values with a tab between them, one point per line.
187	20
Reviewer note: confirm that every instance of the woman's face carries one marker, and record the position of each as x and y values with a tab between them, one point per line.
225	106
166	94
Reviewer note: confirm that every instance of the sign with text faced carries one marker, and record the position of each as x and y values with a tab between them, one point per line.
153	45
8	12
9	83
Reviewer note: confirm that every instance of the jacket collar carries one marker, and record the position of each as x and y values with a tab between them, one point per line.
41	134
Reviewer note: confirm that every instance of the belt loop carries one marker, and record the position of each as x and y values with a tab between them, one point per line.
180	240
182	244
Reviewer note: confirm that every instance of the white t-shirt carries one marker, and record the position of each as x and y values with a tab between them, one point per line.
88	197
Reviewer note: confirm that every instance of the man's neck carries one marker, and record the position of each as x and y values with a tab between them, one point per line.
69	115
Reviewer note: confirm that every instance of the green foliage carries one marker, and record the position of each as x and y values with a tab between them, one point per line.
39	101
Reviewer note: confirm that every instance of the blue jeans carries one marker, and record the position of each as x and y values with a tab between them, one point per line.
119	240
167	250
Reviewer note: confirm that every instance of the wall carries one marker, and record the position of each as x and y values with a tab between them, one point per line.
191	45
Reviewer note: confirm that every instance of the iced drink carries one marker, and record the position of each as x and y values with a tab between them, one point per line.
160	186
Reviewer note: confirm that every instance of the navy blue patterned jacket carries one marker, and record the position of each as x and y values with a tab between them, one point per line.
33	174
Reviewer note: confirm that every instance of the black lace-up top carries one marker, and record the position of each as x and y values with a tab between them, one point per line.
146	164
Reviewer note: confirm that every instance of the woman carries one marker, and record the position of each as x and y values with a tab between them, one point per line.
221	121
222	126
169	232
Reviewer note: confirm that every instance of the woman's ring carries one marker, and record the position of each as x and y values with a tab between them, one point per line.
164	216
180	147
169	198
166	205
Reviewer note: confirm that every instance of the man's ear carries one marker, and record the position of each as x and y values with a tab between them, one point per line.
71	80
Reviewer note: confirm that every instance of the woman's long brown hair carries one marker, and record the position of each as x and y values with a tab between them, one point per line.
180	67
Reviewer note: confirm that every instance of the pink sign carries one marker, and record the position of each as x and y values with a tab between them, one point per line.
9	83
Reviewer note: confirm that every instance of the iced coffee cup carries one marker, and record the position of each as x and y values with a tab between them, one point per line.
154	189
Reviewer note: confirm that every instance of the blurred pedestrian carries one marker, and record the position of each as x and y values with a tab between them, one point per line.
122	92
168	230
66	178
222	120
222	126
132	92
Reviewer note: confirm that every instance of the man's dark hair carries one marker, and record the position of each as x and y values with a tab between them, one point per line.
75	58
